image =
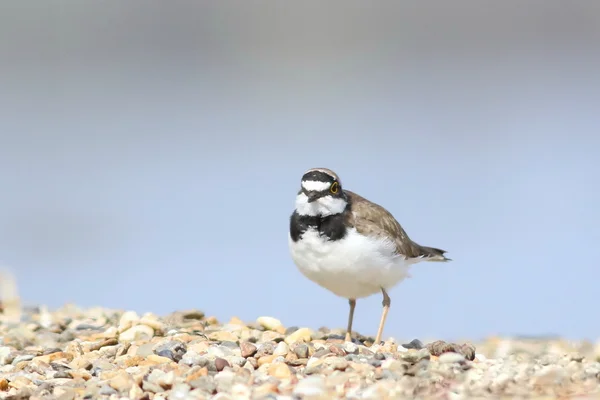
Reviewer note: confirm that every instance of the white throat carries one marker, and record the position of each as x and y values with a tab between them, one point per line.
323	207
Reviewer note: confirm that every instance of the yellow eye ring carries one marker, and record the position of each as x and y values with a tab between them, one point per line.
334	188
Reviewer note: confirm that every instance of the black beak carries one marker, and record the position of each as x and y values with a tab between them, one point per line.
312	196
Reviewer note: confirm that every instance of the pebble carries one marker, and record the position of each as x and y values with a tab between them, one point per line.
300	335
280	370
270	323
451	357
248	349
138	332
413	356
221	363
74	353
301	350
281	349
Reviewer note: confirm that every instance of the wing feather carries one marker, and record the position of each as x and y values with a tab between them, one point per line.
371	219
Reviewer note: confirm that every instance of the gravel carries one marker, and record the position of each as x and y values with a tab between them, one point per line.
74	353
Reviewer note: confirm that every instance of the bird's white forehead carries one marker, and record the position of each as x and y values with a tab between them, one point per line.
315	185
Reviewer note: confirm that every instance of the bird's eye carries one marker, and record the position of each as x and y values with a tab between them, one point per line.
334	188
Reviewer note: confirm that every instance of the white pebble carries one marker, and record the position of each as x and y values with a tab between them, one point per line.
451	357
311	386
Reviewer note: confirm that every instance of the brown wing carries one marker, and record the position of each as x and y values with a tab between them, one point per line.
371	219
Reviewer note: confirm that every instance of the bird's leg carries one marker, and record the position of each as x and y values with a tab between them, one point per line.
386	307
350	318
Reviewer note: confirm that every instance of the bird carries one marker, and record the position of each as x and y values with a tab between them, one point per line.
349	245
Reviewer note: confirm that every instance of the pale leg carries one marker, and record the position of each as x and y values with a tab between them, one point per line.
350	318
386	307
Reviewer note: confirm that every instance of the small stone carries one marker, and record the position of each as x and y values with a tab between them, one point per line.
127	320
414	344
137	393
280	371
394	365
195	373
549	376
219	351
121	382
220	336
106	390
271	336
248	349
137	332
173	349
301	335
336	363
467	350
252	361
451	357
153	322
267	390
193	314
413	356
237	360
236	321
312	386
154	359
103	343
271	323
301	350
266	359
5	357
338	350
180	391
577	357
350	348
241	391
265	349
281	349
152	382
221	363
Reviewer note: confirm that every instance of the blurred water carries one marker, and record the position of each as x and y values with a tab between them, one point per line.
150	156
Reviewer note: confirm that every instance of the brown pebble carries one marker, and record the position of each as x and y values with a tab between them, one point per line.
195	375
290	357
55	356
337	350
298	363
248	349
468	350
3	385
321	353
123	349
104	343
221	363
440	347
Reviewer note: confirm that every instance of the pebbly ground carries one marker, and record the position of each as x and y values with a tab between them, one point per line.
100	353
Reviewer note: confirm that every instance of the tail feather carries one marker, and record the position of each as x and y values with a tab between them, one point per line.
433	254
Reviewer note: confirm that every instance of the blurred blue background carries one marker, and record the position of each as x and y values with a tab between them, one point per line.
150	155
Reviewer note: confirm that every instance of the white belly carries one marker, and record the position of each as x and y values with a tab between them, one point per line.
353	267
